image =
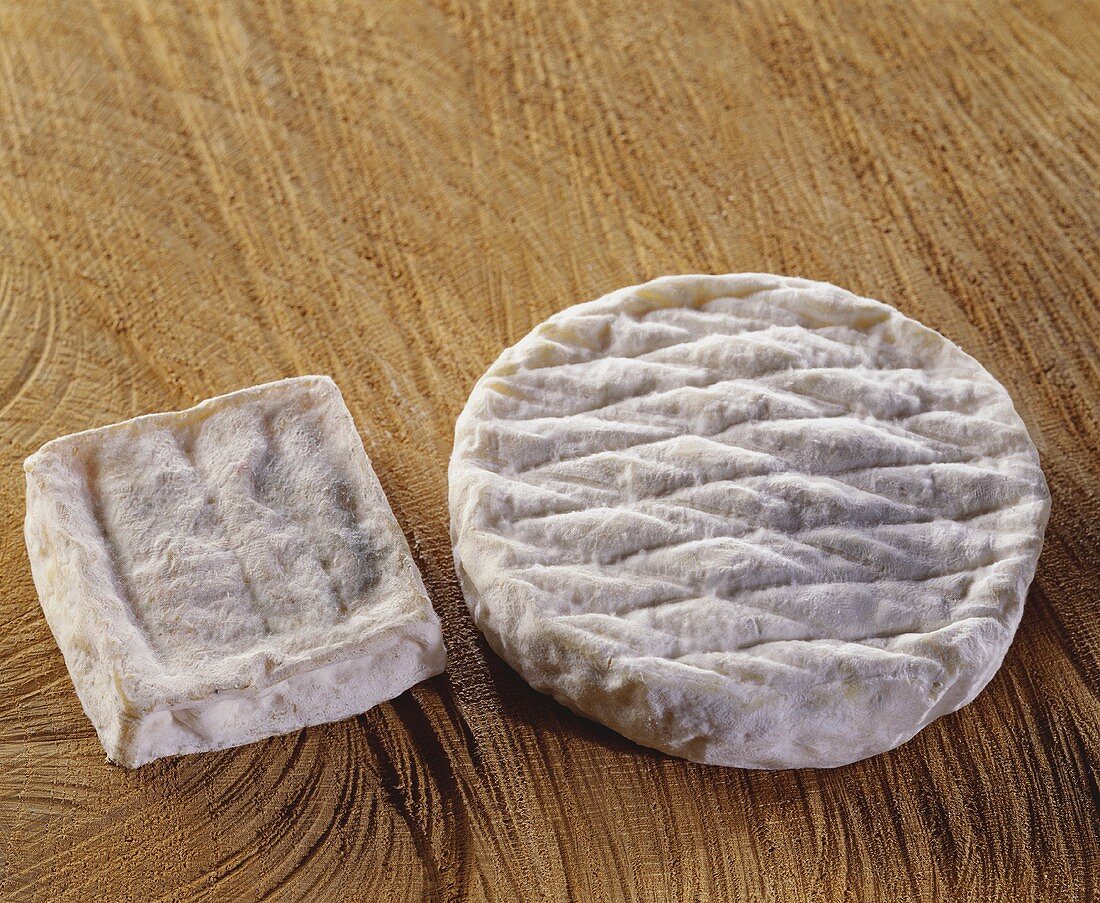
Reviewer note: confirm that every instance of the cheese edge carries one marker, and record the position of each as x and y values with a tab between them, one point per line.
392	665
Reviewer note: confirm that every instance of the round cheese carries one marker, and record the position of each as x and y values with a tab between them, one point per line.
748	520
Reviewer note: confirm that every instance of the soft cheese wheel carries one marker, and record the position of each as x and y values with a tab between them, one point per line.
749	520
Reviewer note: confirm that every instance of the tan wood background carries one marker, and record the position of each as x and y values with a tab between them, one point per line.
195	197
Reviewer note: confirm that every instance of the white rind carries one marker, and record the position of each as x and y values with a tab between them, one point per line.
746	444
314	626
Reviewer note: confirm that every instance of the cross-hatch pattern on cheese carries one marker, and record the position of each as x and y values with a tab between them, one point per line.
822	510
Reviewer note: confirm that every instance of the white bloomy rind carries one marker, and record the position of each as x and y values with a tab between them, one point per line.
749	520
226	573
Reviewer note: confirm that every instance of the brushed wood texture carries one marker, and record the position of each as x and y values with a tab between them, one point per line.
196	197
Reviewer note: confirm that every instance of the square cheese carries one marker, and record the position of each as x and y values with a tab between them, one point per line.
225	573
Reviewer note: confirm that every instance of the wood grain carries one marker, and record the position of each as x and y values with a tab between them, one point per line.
198	197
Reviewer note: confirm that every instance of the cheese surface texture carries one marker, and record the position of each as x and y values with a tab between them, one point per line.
225	573
748	520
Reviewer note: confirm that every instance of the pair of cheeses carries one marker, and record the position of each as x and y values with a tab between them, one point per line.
747	520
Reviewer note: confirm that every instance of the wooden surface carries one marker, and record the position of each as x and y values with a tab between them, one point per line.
198	197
